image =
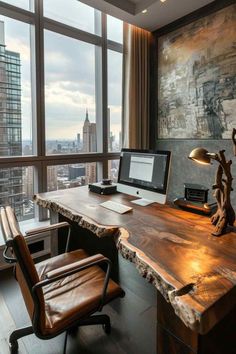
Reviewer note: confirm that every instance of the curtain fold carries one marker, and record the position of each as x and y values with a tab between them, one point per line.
136	127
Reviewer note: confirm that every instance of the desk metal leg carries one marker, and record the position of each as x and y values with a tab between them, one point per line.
54	218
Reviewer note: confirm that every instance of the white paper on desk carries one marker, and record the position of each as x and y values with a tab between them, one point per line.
142	202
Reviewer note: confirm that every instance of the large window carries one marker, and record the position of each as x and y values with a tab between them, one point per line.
70	104
60	98
16	116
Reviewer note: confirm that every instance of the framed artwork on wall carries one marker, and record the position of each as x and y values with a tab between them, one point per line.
197	78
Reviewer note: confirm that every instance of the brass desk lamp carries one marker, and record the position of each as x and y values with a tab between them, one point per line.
225	214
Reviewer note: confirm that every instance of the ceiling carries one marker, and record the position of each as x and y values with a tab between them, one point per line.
158	13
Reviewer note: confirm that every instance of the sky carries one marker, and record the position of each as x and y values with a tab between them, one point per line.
69	71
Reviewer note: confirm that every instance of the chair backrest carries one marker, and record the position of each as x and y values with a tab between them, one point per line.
25	270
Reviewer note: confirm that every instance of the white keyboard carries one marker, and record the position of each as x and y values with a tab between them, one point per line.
117	207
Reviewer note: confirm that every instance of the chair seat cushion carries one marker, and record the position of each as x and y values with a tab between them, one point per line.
73	297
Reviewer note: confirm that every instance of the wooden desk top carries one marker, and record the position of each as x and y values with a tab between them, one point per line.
173	249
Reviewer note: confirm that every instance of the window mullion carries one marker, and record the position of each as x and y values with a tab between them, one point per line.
41	186
65	30
40	89
104	83
117	47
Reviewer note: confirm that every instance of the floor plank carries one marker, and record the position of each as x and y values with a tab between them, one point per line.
7	325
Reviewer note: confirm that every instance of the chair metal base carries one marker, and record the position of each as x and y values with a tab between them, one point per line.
103	320
17	334
96	320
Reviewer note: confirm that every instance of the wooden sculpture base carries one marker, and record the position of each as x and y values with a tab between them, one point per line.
222	218
225	214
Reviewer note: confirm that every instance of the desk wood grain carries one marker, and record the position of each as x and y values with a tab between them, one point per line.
172	249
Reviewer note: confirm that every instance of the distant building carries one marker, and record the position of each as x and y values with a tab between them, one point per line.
76	171
109	129
28	192
11	191
27	151
120	141
59	147
78	141
91	172
111	137
52	178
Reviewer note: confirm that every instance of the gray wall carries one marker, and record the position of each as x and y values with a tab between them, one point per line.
184	170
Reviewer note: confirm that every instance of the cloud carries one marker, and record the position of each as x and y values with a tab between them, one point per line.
19	46
69	60
59	92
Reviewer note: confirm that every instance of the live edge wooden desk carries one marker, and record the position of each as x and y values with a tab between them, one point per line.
174	250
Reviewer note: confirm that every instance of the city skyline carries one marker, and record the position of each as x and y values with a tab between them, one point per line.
74	145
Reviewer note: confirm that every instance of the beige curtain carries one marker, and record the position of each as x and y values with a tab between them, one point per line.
137	44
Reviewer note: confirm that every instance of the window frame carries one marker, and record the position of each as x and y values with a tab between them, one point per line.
40	160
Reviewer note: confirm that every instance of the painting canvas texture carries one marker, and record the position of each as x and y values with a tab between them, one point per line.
197	79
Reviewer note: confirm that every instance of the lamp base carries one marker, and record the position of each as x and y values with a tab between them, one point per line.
198	208
222	218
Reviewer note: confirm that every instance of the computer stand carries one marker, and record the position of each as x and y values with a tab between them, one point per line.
142	202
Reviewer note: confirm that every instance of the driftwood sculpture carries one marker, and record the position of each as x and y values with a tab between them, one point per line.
234	140
225	214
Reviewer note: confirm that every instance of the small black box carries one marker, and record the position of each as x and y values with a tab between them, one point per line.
102	189
196	193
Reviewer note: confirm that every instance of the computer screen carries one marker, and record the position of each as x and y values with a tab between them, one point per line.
144	173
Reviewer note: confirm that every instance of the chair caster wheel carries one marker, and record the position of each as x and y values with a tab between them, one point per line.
107	328
13	348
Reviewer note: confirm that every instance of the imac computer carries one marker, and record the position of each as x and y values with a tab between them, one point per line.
144	174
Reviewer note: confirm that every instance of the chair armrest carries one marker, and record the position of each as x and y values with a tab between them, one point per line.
79	265
42	229
31	233
8	258
75	267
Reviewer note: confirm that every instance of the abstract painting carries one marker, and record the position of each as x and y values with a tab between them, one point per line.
197	79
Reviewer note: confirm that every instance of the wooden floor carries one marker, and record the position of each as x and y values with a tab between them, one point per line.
133	320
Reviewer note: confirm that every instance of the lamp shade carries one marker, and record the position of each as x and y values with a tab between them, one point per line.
200	155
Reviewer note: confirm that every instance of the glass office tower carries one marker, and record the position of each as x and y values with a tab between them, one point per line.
11	185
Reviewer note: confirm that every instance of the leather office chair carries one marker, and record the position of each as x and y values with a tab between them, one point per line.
59	293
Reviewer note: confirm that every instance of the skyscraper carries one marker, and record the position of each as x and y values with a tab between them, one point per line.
52	178
10	125
89	135
78	142
90	145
